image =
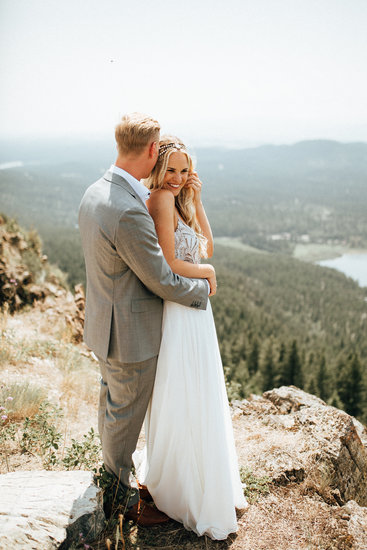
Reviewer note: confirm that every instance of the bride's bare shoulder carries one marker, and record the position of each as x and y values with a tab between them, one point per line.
160	198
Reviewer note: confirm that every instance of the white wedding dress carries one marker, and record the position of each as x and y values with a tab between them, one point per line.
189	463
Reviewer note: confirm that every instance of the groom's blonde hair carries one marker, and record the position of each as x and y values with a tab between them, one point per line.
135	132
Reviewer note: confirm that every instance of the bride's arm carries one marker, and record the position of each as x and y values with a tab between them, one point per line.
161	206
194	182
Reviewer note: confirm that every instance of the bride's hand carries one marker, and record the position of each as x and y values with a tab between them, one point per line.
213	284
194	183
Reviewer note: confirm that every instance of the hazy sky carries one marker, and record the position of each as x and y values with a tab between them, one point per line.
230	71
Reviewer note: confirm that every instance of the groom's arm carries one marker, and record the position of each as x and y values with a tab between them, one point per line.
137	244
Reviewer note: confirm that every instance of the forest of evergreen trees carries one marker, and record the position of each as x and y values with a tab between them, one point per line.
280	322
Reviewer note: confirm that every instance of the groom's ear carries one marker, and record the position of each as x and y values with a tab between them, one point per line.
153	149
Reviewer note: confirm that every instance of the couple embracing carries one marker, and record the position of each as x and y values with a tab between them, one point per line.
149	321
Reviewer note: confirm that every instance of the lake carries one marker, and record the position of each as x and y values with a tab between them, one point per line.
352	265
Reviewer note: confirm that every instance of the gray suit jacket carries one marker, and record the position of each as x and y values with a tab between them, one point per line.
127	274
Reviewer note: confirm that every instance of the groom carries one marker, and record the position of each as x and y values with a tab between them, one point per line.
127	277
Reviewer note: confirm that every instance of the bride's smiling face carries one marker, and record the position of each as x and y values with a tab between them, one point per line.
177	173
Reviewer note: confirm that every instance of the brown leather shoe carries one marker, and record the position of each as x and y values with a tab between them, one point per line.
145	515
144	492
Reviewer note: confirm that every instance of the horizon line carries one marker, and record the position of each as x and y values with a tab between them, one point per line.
240	143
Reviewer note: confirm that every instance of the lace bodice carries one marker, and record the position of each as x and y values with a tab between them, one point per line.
186	243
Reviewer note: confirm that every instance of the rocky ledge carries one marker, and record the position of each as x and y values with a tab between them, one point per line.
300	438
296	439
48	510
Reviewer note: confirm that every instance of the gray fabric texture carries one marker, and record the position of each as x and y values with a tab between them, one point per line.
124	396
127	274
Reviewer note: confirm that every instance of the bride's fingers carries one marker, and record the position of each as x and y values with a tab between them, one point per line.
197	183
194	185
194	177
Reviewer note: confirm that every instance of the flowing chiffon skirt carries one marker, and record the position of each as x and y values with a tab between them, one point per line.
189	464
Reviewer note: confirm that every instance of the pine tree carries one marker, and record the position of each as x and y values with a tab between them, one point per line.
253	359
321	380
281	376
238	351
293	368
312	388
350	385
335	400
310	362
267	369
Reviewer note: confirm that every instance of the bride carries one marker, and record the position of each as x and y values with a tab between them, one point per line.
190	465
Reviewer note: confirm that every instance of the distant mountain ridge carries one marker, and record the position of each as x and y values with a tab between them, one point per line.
301	161
58	151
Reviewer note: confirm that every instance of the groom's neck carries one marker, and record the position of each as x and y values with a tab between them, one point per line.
131	165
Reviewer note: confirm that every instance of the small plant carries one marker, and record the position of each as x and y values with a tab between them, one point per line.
40	434
114	500
255	486
85	454
31	422
5	345
7	428
35	348
17	401
32	261
54	275
23	399
234	388
69	359
107	482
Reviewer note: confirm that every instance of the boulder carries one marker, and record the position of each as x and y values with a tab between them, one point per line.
290	399
43	509
292	436
357	524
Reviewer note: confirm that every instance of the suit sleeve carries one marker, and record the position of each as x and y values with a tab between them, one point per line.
137	243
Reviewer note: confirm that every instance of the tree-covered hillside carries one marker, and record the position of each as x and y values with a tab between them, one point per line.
282	321
314	188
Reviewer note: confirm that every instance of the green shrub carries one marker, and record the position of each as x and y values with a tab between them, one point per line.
255	486
85	454
40	434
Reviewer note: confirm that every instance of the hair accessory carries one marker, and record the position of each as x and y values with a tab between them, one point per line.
166	146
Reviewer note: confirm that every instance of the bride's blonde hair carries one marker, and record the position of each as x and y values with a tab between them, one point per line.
184	201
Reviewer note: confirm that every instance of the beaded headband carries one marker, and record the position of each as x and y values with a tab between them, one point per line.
166	146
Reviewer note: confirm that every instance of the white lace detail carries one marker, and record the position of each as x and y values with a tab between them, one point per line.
186	243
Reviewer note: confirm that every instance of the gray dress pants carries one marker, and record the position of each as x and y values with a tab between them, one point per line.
125	392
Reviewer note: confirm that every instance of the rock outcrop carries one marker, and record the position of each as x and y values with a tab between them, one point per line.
47	510
292	436
316	458
27	278
63	304
17	253
357	524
